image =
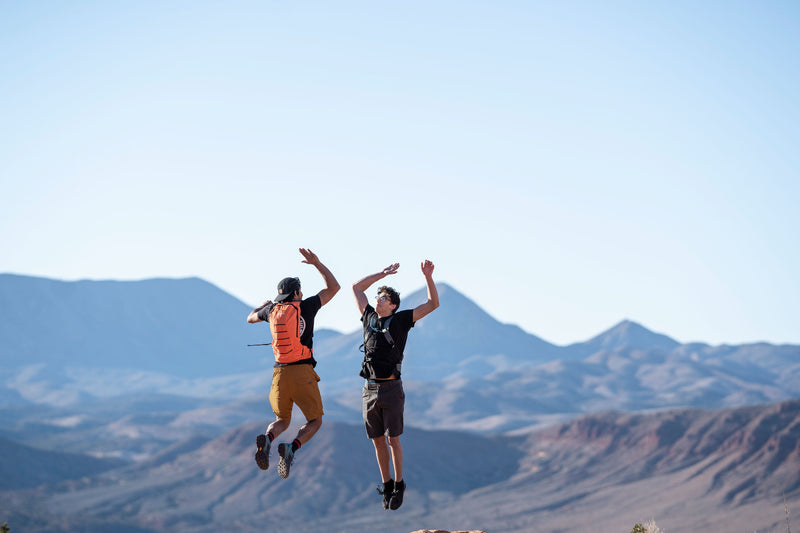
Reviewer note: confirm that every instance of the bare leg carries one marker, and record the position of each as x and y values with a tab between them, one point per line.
308	430
397	457
382	454
278	427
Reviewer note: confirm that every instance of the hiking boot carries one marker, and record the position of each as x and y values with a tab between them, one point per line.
386	490
287	456
262	456
397	495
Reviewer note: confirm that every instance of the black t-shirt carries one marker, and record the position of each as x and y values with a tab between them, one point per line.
308	310
378	352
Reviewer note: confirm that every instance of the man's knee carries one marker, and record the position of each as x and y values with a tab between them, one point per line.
394	441
283	416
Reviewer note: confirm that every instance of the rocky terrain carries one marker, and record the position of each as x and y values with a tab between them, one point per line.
720	470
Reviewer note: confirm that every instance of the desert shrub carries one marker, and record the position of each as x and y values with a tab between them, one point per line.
651	527
648	527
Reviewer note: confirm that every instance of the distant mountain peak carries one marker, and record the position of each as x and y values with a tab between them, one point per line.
631	334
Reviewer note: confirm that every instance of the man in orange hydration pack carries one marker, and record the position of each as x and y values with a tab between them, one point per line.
294	381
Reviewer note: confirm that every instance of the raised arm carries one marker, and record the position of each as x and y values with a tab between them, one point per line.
364	283
331	285
433	296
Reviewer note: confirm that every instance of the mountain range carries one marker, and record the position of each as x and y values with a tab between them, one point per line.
186	341
132	406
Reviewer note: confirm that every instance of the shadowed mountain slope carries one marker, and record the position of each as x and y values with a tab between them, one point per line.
217	483
690	469
185	327
23	467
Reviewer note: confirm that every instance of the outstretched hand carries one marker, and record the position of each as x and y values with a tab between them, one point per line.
391	269
310	257
427	268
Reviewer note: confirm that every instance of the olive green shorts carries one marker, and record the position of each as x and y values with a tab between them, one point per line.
295	384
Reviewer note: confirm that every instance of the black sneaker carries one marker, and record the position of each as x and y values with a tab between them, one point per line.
287	456
397	495
262	456
386	490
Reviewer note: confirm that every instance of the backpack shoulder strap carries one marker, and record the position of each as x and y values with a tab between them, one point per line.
385	330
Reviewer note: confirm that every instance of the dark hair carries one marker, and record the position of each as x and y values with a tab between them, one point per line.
394	296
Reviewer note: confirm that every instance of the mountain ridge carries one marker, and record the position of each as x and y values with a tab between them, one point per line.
467	370
145	324
21	466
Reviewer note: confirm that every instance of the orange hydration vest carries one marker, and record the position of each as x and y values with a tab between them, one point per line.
284	324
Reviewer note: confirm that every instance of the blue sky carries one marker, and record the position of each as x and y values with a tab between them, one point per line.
566	165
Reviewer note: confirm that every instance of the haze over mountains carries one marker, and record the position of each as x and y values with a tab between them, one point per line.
187	338
146	397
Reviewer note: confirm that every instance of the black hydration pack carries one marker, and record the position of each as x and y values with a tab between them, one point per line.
395	359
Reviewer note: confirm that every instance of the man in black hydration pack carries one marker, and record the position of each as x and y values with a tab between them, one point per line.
383	399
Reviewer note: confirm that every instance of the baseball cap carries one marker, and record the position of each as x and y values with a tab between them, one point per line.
286	288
